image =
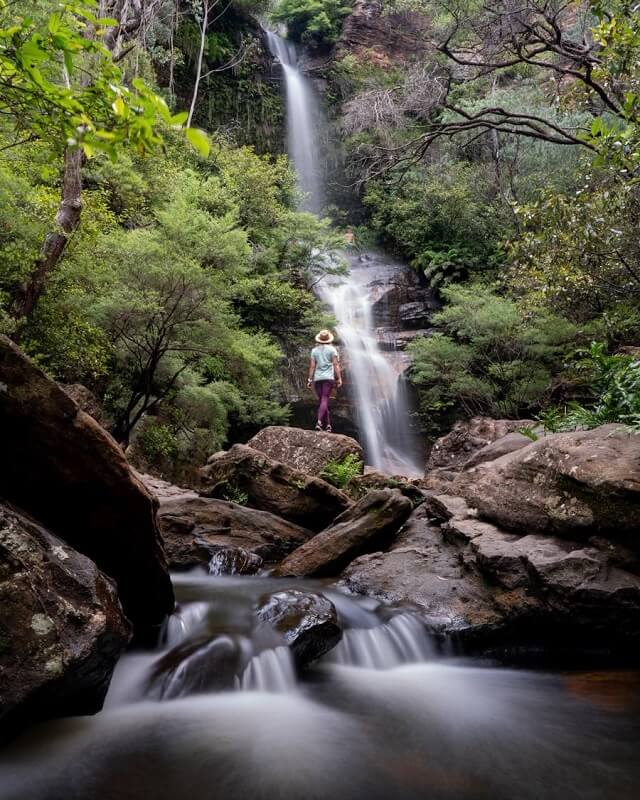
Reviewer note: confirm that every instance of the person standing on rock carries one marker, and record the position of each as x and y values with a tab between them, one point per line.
324	373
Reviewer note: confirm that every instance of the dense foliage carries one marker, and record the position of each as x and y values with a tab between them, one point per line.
312	22
487	357
613	389
498	153
502	147
178	285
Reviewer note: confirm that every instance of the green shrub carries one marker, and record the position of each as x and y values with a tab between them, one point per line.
157	442
487	358
339	473
314	22
232	494
614	383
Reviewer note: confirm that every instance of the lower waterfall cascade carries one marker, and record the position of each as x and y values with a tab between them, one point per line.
221	709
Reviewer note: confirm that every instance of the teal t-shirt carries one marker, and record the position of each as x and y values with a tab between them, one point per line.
323	355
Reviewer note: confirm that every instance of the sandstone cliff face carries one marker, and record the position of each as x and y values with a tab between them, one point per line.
381	39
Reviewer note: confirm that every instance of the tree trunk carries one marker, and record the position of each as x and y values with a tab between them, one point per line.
67	221
131	15
203	40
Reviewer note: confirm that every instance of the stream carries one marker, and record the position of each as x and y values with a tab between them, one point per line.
387	713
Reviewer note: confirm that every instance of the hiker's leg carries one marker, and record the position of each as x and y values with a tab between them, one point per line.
317	385
323	412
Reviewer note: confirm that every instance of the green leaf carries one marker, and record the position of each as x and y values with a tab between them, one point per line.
199	140
68	62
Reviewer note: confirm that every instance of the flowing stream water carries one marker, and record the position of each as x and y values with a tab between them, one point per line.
220	712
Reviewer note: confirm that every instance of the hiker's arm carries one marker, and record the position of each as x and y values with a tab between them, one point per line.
336	367
312	369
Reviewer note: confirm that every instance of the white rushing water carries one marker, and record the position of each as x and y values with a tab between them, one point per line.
303	115
220	712
375	377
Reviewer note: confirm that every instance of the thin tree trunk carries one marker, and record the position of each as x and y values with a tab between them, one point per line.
131	17
203	39
67	221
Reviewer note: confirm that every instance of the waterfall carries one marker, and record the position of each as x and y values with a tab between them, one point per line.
374	376
403	640
303	112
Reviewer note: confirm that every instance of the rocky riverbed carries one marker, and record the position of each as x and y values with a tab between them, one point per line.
506	544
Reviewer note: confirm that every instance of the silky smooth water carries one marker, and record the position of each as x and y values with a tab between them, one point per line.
384	715
374	375
303	118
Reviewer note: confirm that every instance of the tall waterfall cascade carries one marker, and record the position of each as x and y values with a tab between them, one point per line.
373	375
303	116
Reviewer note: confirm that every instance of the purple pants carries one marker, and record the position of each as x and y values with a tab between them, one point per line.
323	390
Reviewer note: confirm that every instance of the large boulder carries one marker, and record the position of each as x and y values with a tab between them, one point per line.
367	526
359	485
468	437
85	398
490	586
272	486
195	529
63	469
573	484
163	491
422	570
304	450
61	625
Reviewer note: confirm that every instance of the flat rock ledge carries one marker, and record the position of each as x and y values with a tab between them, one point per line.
488	586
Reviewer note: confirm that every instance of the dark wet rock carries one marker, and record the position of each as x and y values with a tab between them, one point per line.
196	529
417	313
304	450
488	585
199	665
61	625
421	569
64	470
235	561
572	484
403	339
272	486
368	525
468	437
307	622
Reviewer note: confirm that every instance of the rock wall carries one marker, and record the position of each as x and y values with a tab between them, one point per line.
381	38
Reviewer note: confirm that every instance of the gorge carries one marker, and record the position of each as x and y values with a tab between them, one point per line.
201	598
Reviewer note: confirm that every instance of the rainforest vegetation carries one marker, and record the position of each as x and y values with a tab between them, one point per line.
150	246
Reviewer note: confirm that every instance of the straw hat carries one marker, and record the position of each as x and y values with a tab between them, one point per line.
324	337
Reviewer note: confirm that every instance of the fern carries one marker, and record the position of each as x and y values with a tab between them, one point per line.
339	473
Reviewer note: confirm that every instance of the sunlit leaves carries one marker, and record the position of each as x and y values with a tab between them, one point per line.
59	82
